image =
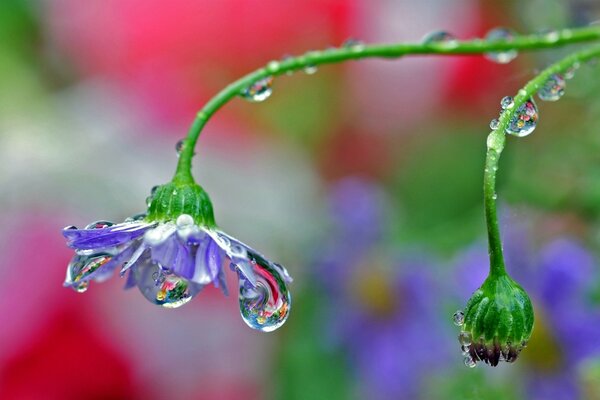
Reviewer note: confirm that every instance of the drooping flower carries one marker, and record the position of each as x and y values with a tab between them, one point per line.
175	250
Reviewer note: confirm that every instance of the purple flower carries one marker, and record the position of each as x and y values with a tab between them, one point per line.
170	262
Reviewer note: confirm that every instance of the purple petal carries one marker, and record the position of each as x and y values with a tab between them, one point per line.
87	239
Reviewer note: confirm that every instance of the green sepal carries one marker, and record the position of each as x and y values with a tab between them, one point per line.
499	311
174	199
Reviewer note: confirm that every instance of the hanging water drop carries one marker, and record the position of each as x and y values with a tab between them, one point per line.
310	69
501	34
458	318
440	37
507	102
81	287
81	268
524	121
469	362
259	90
464	338
553	89
164	288
266	305
494	124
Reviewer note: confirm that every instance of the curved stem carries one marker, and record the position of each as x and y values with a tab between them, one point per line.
356	52
495	145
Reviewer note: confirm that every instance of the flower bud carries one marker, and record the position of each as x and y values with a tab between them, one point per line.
171	200
497	322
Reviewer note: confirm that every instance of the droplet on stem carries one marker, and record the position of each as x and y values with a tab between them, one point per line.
507	102
524	121
501	34
553	88
259	90
440	37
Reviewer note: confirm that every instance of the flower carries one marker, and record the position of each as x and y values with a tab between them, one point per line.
175	250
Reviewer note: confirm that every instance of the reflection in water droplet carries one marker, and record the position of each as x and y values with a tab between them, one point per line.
99	225
164	288
440	37
494	124
458	318
524	121
82	266
507	102
501	34
553	89
266	305
259	90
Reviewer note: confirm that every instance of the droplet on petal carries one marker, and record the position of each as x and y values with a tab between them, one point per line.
266	305
440	37
259	90
525	120
99	225
553	89
458	318
163	288
501	34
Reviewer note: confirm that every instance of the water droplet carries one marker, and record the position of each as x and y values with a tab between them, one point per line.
179	146
266	305
494	124
273	66
149	200
259	90
310	69
163	288
464	338
99	225
458	318
70	227
570	72
469	362
184	221
501	34
440	37
553	89
136	217
524	121
507	102
153	190
353	44
82	266
287	58
550	35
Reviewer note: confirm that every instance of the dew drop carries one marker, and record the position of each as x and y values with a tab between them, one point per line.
570	72
153	190
440	37
464	338
179	146
458	318
507	102
259	90
99	225
149	200
164	288
353	44
82	287
524	121
551	35
81	267
310	69
494	124
469	362
266	305
553	89
501	34
136	217
273	66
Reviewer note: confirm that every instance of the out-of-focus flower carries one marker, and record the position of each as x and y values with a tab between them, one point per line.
385	320
558	278
171	255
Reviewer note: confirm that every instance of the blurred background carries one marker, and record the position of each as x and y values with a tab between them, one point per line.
363	179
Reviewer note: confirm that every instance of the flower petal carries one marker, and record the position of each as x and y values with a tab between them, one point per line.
115	235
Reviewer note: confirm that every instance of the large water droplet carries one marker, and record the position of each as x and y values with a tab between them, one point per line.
266	305
498	34
524	121
458	318
164	288
259	90
99	225
440	37
553	89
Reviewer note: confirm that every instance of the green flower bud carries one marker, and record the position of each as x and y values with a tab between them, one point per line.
497	322
171	200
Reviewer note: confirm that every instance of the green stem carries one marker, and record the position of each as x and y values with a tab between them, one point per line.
495	145
330	56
